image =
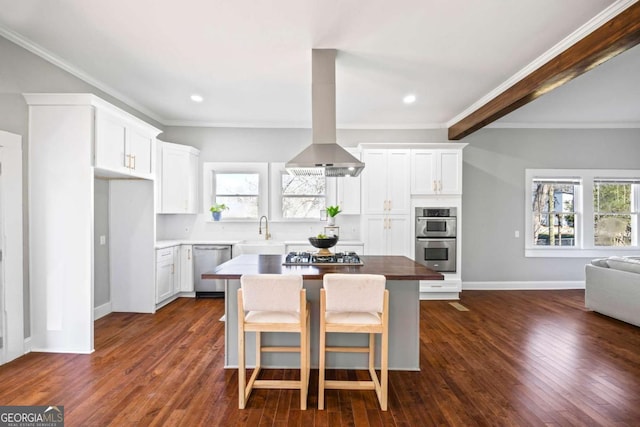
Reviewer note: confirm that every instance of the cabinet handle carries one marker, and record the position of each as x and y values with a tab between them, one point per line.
439	185
133	157
434	186
390	203
127	161
188	253
173	268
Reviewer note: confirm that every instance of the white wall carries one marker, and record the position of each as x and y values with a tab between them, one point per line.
266	145
493	186
493	200
100	252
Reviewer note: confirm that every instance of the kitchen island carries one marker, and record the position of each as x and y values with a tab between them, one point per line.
403	276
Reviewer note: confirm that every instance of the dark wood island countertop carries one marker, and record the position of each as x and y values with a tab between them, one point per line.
392	267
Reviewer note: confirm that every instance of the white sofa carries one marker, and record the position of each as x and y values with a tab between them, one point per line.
612	287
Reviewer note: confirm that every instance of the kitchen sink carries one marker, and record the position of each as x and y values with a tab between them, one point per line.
263	247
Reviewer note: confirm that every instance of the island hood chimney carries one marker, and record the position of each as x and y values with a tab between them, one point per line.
324	156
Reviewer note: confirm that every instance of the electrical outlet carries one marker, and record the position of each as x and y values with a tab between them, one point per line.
516	234
103	240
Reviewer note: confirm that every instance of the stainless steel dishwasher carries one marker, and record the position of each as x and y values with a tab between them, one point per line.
206	258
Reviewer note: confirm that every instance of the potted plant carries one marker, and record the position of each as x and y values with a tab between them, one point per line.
216	210
332	211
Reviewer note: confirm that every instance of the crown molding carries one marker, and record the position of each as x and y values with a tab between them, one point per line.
564	125
284	125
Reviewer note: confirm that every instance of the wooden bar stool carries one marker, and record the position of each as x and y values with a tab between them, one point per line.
272	303
355	303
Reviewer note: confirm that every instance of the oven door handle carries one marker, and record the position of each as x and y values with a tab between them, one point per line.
427	239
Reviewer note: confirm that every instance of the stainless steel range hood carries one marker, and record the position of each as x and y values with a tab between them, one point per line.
324	156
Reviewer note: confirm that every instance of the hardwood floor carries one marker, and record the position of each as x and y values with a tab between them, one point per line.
516	358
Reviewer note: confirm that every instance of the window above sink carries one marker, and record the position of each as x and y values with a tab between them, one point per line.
252	190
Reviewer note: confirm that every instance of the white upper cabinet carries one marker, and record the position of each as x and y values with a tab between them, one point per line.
111	142
123	146
140	147
436	171
386	181
178	178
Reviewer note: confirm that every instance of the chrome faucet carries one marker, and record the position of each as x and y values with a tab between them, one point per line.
267	235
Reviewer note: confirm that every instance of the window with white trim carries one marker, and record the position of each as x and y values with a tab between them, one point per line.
581	213
297	197
615	216
553	210
239	191
302	196
242	187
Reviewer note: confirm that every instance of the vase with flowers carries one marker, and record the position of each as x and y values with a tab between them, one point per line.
332	212
216	210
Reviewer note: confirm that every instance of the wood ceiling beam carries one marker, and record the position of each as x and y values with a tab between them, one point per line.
620	33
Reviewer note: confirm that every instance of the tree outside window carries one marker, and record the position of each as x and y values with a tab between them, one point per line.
303	197
554	215
615	213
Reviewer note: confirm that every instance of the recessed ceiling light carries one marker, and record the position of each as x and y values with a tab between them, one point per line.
409	99
197	98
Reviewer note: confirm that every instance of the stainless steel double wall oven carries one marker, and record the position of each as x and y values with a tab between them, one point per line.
436	231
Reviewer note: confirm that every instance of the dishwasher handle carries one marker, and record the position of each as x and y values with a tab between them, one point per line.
211	248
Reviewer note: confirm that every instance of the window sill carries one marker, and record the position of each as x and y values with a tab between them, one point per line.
579	252
271	221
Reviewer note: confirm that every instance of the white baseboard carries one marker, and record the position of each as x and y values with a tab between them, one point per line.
439	296
27	345
101	310
522	285
61	350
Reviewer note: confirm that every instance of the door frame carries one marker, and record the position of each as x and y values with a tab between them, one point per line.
11	268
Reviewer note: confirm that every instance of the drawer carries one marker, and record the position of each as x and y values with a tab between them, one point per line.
163	254
440	286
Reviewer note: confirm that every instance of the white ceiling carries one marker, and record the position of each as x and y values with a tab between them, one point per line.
251	59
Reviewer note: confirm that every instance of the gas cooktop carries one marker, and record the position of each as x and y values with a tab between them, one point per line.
309	258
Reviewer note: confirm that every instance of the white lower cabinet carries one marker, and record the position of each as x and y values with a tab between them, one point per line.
186	268
167	273
387	235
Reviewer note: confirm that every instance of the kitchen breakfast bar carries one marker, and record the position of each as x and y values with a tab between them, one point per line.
402	274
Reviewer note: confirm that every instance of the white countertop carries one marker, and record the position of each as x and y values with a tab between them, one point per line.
161	244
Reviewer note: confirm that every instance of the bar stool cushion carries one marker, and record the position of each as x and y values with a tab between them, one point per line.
352	318
271	292
354	292
272	317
